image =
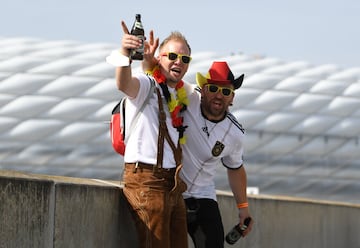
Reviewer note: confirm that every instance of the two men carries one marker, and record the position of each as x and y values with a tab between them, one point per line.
213	136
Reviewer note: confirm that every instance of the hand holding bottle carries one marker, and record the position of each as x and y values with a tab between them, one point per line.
131	42
237	232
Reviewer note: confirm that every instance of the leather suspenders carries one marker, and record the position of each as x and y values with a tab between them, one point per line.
164	134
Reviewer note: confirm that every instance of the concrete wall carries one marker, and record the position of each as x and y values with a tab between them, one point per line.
49	211
42	211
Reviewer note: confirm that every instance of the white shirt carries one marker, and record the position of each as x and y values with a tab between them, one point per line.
142	143
199	164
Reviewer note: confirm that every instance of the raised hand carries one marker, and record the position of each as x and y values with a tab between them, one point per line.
150	47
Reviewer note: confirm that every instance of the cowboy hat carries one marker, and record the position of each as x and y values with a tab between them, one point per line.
219	73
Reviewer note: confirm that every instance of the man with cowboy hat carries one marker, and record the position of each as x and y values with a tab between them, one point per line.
214	138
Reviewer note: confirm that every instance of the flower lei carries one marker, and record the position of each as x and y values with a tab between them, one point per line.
176	104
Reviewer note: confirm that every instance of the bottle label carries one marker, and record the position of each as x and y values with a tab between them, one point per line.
141	48
138	25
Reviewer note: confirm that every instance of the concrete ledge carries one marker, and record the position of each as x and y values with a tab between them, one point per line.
52	211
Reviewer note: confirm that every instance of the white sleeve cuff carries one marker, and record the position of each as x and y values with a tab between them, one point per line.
117	59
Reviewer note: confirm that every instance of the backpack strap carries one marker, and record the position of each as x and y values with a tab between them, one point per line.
133	123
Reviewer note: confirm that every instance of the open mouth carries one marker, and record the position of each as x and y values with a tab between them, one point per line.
217	104
176	71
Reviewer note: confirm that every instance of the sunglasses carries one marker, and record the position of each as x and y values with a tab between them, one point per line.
214	89
173	56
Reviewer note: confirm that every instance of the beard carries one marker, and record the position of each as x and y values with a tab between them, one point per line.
214	109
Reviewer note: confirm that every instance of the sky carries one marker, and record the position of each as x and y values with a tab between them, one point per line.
315	31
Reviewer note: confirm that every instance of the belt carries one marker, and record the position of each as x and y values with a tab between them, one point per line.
144	166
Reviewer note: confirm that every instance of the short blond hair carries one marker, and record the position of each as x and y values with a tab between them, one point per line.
175	35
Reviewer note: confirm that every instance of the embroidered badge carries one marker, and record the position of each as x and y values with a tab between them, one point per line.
217	149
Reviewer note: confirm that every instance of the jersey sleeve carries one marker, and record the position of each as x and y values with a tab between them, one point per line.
235	158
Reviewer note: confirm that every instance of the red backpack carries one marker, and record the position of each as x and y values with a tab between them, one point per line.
117	127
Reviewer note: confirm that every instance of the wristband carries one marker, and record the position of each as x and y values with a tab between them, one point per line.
242	205
117	59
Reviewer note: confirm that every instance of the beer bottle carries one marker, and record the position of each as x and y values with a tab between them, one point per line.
236	232
138	30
